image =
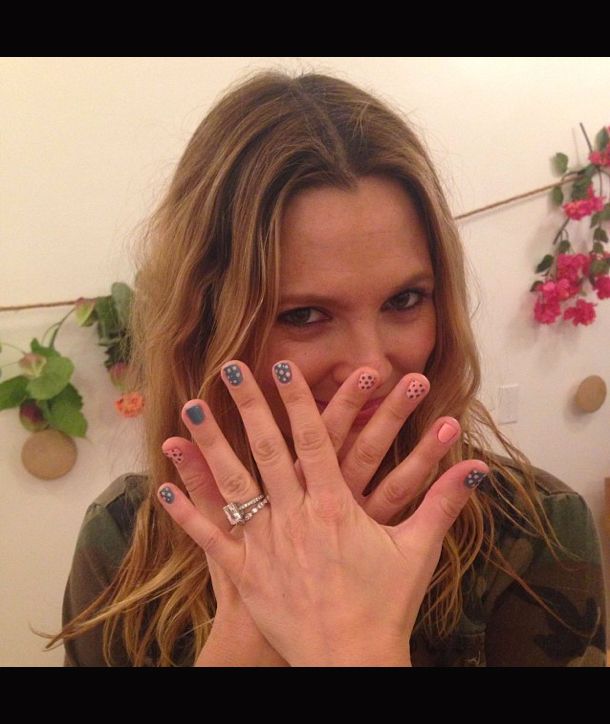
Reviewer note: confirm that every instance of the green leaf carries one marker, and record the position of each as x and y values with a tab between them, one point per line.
599	266
580	187
84	312
108	322
535	286
605	213
35	346
67	417
13	392
561	163
557	195
564	247
590	171
54	378
600	234
601	140
122	297
545	264
598	247
595	219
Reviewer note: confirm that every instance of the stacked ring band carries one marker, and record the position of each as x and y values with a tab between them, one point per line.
235	514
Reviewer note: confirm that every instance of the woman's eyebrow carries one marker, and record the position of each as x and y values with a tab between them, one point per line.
316	298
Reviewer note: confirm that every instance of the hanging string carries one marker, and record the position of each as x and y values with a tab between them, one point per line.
480	210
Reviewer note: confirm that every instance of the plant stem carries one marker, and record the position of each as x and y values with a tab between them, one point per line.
6	344
586	138
563	226
58	325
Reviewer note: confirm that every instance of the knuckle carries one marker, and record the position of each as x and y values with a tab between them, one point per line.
335	438
451	508
266	450
235	485
194	481
395	414
394	492
309	439
248	402
368	453
329	507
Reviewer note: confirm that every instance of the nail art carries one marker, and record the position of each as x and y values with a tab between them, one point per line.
174	454
167	495
474	478
234	374
283	372
195	414
366	381
415	389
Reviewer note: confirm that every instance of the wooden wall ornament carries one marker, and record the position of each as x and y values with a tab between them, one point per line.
591	394
49	454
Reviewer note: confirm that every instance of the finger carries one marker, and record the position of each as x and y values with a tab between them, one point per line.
197	477
311	440
409	478
371	446
225	550
441	507
339	414
233	480
266	440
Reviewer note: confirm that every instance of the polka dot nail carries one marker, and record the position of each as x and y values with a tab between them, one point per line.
366	381
415	389
167	495
474	479
283	372
174	454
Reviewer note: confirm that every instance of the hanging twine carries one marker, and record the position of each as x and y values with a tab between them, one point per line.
456	218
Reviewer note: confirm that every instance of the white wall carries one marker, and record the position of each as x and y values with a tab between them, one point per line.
87	145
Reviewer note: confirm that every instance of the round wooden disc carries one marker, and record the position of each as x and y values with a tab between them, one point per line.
591	393
49	454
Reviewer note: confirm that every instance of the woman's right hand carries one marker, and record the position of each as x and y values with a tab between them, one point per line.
237	640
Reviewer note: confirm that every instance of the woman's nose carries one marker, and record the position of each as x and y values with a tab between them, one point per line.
362	348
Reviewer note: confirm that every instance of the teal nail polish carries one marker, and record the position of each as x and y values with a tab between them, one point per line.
167	495
474	479
283	372
195	414
234	374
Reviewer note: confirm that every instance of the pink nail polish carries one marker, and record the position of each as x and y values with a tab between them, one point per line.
366	381
174	454
446	433
415	389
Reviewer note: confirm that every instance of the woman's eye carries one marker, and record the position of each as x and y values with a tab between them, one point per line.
298	317
301	317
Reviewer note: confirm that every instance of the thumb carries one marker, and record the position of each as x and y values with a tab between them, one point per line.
442	504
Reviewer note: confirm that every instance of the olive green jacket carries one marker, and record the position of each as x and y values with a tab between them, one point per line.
501	625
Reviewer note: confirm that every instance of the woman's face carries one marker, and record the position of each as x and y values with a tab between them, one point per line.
356	288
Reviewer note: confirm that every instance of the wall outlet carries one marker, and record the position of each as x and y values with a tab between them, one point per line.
508	403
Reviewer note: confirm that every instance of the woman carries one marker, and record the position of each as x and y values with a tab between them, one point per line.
306	233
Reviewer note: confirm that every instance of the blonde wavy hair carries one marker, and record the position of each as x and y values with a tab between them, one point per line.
206	291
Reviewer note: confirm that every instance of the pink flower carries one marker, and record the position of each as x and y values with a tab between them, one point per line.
570	268
547	310
602	286
582	313
584	207
600	158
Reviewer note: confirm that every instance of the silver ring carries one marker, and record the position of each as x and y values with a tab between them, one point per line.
234	511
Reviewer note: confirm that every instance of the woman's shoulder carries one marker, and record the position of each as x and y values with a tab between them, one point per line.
120	501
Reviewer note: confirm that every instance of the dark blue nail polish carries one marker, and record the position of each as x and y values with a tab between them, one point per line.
195	414
234	374
283	372
167	495
474	479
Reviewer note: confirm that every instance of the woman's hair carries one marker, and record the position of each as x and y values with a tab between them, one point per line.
207	290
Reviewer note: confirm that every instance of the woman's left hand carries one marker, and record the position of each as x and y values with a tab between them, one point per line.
324	582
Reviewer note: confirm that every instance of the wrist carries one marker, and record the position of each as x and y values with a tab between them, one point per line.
236	641
354	653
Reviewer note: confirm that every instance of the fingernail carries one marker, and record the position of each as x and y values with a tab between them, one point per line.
195	414
283	372
174	454
446	433
474	478
167	495
234	374
366	381
415	389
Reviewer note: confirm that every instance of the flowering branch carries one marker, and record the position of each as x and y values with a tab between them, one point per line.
564	272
